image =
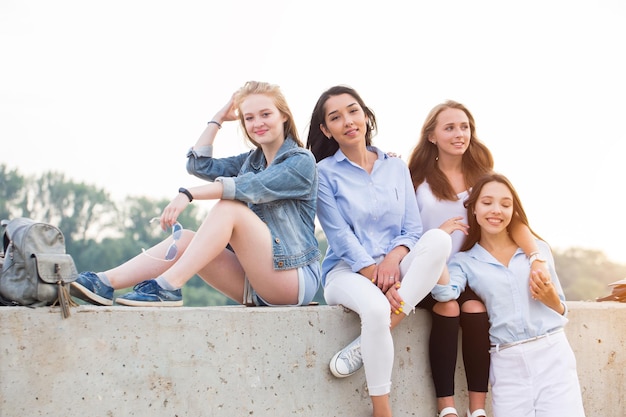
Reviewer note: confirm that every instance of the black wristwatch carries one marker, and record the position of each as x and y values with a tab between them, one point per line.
186	192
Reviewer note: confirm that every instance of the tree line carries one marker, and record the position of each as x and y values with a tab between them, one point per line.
101	233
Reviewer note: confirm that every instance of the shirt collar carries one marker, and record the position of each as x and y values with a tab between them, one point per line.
340	156
481	254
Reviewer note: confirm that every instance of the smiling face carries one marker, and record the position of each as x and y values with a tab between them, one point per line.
264	122
494	208
452	133
344	120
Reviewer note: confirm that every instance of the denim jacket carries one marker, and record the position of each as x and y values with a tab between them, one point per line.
283	195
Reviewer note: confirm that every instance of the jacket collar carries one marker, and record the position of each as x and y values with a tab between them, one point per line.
258	162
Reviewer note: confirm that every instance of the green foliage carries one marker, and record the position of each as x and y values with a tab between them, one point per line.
101	234
11	183
585	273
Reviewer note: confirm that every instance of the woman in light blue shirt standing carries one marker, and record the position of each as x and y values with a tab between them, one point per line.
533	368
265	211
378	263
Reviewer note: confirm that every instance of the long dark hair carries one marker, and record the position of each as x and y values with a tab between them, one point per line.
519	215
322	146
477	159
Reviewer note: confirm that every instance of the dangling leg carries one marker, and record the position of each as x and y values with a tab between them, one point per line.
443	351
357	293
420	270
475	342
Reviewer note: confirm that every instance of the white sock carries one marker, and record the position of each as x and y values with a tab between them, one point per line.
163	283
103	277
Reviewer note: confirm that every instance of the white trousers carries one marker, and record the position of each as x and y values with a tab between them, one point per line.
536	379
420	269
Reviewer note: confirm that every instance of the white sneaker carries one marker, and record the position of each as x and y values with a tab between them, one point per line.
448	411
348	360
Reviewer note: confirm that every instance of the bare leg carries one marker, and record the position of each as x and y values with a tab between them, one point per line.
233	222
443	402
381	406
147	265
477	400
226	275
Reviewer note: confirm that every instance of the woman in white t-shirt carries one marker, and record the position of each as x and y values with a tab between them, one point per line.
445	163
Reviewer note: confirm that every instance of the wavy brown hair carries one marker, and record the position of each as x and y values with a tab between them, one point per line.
519	214
273	92
477	159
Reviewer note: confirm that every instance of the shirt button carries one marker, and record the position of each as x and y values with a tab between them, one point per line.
277	240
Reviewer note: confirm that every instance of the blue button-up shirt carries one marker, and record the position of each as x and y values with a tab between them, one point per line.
364	215
283	195
513	314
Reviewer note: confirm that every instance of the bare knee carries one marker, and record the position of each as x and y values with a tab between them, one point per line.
447	309
473	306
228	207
184	240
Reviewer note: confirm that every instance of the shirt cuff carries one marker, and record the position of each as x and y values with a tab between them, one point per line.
201	151
228	185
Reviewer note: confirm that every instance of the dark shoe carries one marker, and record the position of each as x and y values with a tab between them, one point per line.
88	287
149	293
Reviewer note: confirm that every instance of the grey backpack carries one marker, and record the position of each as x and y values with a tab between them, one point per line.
36	271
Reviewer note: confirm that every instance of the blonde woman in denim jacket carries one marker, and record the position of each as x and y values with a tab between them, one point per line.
265	213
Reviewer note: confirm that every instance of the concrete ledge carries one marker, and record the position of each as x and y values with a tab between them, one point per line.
238	361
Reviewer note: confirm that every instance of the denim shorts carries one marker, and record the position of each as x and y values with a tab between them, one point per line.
309	278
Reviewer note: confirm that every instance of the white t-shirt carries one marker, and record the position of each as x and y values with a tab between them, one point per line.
435	212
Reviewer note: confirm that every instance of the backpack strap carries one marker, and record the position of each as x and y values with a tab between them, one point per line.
5	238
8	303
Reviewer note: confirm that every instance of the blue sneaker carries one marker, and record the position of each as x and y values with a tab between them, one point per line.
348	360
149	293
88	287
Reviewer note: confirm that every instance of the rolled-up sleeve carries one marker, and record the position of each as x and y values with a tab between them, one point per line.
201	164
451	291
444	293
201	151
229	187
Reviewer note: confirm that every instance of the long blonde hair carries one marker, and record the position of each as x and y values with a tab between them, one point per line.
272	91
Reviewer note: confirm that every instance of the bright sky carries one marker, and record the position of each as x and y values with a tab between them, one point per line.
114	93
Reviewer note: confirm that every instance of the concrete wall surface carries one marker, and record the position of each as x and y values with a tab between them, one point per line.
242	361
